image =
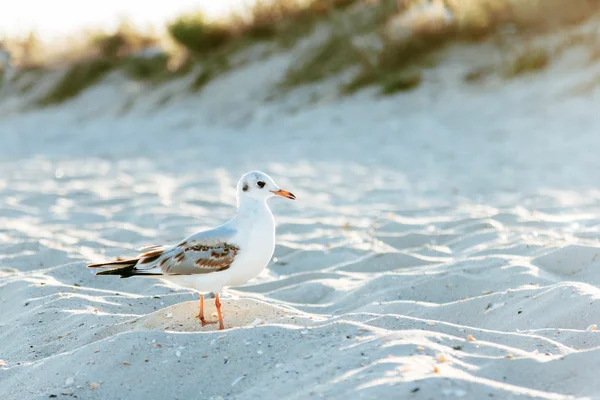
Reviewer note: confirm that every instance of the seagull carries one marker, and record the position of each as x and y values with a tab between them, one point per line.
208	261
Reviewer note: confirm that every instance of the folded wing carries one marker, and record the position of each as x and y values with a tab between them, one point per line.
202	253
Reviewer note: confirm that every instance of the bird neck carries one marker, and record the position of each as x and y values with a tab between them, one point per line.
250	208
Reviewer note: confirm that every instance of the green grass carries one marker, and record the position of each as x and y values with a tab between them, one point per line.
527	61
201	80
401	81
35	70
199	37
121	43
477	74
27	87
332	56
77	78
211	68
28	73
361	80
280	22
417	50
337	52
154	69
393	67
389	82
146	68
396	67
110	45
399	65
109	52
286	21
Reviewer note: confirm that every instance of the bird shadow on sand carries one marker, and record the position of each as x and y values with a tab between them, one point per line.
240	313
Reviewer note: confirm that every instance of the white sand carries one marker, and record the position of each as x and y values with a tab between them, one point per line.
421	219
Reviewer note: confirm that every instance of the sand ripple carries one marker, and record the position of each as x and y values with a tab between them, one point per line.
375	303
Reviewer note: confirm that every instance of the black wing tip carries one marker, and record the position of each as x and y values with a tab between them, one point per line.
127	272
113	272
123	263
124	272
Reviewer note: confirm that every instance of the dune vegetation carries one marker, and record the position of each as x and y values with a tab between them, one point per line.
385	43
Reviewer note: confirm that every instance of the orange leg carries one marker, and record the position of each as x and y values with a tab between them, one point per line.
201	313
218	305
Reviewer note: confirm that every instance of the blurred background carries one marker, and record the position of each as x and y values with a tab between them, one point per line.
452	98
390	44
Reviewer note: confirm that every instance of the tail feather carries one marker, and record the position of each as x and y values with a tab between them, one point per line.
126	269
131	261
124	272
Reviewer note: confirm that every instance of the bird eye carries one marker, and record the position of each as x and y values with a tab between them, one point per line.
260	184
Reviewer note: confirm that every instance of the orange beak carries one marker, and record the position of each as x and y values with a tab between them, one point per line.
284	193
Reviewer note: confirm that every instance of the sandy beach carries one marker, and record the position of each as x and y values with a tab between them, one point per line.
445	242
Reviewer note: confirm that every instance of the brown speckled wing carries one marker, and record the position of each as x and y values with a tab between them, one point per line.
190	258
